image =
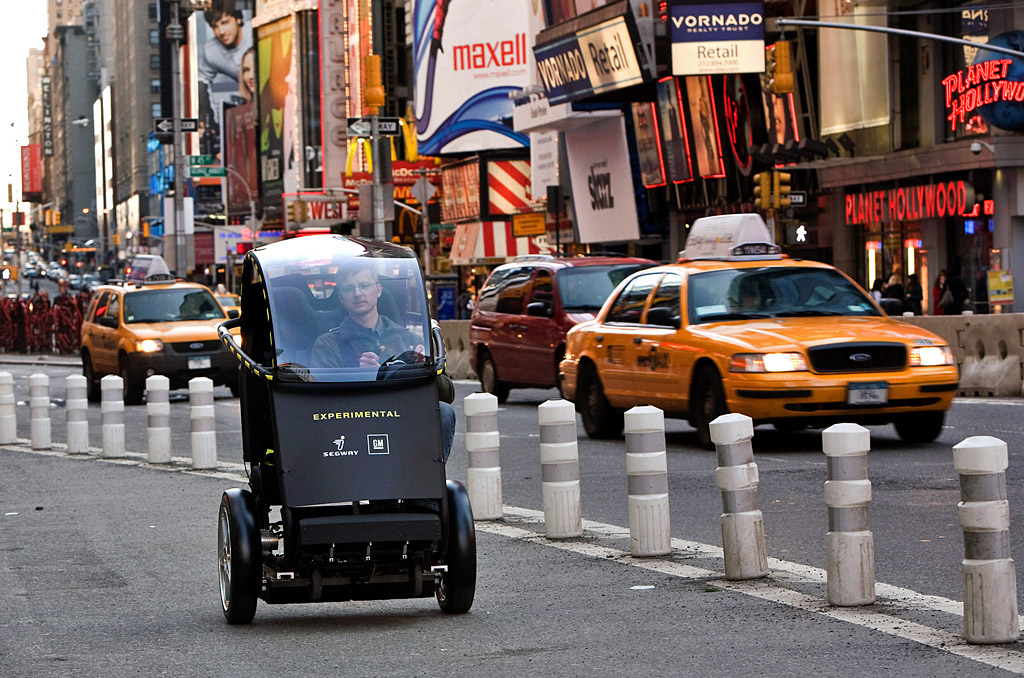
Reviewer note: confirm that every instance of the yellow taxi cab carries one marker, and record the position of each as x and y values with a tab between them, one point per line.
229	302
736	326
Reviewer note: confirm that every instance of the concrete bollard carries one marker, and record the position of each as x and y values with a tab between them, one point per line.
560	470
204	425
158	418
112	409
743	540
647	482
76	408
8	416
990	581
483	475
39	411
849	543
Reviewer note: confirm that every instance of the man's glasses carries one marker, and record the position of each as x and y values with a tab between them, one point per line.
363	287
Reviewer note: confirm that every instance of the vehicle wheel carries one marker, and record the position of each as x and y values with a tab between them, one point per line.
236	389
923	427
707	404
457	588
92	384
238	556
133	388
489	379
601	421
559	357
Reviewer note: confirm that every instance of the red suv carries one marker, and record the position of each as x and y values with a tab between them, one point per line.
525	308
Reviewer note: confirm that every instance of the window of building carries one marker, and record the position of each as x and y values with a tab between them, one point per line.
152	12
59	14
154	62
154	86
154	36
157	110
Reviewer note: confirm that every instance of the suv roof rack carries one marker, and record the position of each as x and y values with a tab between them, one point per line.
605	254
534	257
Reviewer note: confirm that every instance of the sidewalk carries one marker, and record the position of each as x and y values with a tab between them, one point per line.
40	359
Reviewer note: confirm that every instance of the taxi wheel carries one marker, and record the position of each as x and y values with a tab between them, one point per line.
238	556
92	384
489	379
133	388
601	421
922	427
708	403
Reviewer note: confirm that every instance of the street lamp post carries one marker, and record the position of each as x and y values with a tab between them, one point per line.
175	35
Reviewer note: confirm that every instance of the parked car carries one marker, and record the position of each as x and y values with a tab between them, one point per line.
523	311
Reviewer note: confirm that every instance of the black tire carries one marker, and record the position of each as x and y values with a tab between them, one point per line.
238	556
559	356
601	421
457	588
133	388
489	379
922	427
707	403
236	388
92	384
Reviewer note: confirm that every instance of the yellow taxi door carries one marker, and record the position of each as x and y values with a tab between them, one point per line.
620	341
659	354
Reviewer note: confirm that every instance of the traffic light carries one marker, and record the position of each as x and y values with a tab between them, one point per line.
297	212
782	189
762	190
782	82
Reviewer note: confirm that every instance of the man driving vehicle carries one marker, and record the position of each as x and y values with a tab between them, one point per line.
366	338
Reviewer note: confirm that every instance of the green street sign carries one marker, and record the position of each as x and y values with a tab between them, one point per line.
208	171
200	160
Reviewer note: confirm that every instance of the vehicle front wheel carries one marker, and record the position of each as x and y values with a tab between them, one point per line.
707	403
457	588
489	379
133	388
601	421
921	427
92	384
238	556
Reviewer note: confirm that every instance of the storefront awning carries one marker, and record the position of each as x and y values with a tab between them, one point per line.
492	242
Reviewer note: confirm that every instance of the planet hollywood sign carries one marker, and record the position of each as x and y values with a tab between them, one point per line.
979	85
910	203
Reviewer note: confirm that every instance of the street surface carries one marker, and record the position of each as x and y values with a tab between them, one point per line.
109	566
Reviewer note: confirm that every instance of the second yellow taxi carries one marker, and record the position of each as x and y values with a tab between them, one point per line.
736	326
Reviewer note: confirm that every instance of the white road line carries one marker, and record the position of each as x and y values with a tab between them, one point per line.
519	520
987	401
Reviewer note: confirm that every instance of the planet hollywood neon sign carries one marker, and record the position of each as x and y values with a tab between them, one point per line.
979	85
911	203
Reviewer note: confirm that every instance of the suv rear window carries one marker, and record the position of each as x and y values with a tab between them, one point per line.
585	288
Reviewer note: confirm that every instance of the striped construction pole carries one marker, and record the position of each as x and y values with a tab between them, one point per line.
990	580
39	411
112	409
8	417
76	408
647	482
204	423
743	541
483	476
158	418
849	543
560	470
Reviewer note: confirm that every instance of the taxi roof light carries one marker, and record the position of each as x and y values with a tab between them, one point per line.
730	237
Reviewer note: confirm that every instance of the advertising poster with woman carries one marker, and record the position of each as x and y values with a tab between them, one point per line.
673	131
648	145
703	115
274	44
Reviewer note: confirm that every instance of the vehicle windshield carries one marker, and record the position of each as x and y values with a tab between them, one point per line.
774	292
170	305
585	288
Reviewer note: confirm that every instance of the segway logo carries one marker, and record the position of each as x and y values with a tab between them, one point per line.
368	414
339	442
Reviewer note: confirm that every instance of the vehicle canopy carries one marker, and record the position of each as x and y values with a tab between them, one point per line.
731	237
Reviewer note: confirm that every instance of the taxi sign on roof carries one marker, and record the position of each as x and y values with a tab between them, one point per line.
730	236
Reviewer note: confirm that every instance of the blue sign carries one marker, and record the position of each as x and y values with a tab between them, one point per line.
563	70
445	302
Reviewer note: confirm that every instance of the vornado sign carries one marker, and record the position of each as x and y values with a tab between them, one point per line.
711	38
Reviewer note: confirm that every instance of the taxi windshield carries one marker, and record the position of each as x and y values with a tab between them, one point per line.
774	292
169	305
585	288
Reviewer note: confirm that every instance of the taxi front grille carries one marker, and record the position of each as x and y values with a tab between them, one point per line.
858	357
195	346
823	407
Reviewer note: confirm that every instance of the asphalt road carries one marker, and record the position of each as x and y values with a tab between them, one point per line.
114	573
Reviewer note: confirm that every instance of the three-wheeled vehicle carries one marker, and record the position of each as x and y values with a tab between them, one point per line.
347	496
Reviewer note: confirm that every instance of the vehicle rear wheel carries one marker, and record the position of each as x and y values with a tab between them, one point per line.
601	421
133	388
457	588
707	404
92	384
238	556
921	427
489	379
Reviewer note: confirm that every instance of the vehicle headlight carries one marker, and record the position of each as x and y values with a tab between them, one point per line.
149	345
768	362
930	356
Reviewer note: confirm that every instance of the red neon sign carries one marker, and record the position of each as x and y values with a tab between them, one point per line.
981	84
910	203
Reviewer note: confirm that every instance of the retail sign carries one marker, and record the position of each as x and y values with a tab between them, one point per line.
910	203
532	223
710	38
1000	287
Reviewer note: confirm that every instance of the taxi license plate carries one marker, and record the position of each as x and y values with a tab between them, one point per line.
201	363
869	393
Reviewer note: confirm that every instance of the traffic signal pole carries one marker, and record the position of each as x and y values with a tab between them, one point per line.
179	262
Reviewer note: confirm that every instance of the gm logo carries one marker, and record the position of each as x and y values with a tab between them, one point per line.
377	443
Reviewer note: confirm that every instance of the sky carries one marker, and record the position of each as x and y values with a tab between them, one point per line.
23	27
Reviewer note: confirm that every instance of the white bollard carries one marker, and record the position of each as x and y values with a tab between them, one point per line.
990	580
647	482
39	411
849	543
483	475
204	423
76	408
743	542
560	470
112	409
8	416
158	418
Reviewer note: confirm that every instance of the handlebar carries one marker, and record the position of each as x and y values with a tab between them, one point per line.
224	332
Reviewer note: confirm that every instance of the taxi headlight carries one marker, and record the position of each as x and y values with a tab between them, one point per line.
149	345
768	362
930	356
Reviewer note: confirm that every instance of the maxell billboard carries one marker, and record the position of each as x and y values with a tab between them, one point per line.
717	38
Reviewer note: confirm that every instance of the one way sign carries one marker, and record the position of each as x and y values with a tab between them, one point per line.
362	127
166	125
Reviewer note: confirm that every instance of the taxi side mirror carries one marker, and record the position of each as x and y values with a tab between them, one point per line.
232	312
662	315
539	309
107	321
891	306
